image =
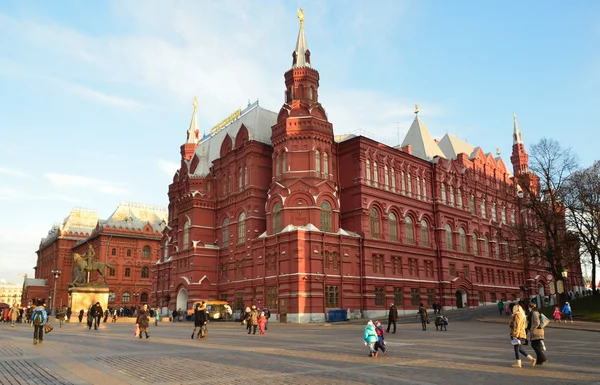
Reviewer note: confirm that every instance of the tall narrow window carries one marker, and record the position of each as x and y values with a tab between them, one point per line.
475	248
486	246
277	218
386	179
226	232
512	217
240	180
393	227
375	174
246	176
418	188
284	162
403	183
459	198
497	246
452	195
145	272
165	251
374	223
393	179
326	217
410	232
242	228
310	93
277	166
494	217
463	240
424	190
186	234
318	162
504	215
472	204
325	164
409	183
443	193
368	170
146	252
424	234
449	245
483	210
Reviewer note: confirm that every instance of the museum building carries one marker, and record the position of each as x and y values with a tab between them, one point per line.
274	210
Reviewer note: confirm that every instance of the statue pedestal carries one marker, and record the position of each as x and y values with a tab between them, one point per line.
81	297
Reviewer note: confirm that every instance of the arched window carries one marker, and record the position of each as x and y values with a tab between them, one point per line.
186	235
113	251
240	178
393	227
165	251
494	217
424	233
276	217
486	246
472	204
504	215
325	164
386	179
374	223
475	248
410	232
277	166
127	272
393	179
409	182
375	174
403	183
226	232
368	170
443	188
144	298
449	245
318	162
242	228
463	240
126	297
111	296
418	187
452	195
129	252
459	198
111	272
245	175
326	214
146	252
284	162
424	190
483	210
145	272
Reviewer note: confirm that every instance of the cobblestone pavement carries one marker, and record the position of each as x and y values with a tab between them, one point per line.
476	352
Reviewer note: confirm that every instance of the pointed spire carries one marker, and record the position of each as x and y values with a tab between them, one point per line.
193	134
517	134
301	56
422	143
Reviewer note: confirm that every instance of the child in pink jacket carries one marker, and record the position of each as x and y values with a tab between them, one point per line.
556	314
262	322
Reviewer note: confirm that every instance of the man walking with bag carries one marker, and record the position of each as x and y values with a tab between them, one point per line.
392	317
538	323
39	317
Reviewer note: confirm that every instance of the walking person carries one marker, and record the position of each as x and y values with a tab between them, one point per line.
39	317
500	306
567	312
200	320
246	320
106	314
80	315
267	316
424	317
380	344
370	337
262	322
517	324
253	319
556	314
14	314
114	317
392	317
434	308
156	316
537	335
96	313
143	320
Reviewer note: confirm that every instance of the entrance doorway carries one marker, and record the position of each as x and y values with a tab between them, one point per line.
182	300
283	310
461	299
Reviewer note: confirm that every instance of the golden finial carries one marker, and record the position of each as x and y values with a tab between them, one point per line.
195	102
300	15
416	108
514	116
497	151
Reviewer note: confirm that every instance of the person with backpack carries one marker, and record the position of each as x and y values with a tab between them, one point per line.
538	323
39	317
380	344
567	312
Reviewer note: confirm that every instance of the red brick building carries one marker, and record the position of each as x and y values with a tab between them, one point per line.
272	209
129	240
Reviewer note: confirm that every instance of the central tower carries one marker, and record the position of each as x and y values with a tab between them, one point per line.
304	182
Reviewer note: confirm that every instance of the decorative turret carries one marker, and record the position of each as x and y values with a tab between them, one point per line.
193	135
519	157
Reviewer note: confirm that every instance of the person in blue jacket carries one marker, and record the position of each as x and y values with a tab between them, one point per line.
567	312
370	337
39	317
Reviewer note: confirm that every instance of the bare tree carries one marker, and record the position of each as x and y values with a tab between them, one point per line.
582	200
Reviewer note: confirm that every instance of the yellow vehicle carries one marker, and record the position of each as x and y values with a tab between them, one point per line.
216	310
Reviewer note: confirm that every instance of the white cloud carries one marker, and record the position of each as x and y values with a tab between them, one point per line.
100	96
167	166
14	195
14	172
65	180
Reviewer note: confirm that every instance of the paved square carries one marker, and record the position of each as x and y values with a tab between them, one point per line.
469	352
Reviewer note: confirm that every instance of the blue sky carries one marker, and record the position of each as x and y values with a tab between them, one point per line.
95	97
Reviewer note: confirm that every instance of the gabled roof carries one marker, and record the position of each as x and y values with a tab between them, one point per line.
423	145
80	220
257	120
452	146
135	216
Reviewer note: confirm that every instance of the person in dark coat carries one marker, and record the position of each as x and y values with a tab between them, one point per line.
392	317
200	321
106	313
424	317
267	316
143	320
96	313
81	315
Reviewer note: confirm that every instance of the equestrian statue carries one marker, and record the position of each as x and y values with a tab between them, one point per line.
87	264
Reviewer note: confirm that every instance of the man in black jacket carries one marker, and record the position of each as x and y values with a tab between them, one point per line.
97	313
392	317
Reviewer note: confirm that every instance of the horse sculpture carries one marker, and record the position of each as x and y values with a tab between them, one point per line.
81	262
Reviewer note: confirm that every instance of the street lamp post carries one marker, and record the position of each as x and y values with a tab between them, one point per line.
565	275
56	273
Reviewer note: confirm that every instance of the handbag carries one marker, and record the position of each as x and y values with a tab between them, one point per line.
136	330
515	341
427	321
48	328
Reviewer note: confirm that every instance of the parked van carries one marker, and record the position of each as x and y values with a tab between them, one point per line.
216	310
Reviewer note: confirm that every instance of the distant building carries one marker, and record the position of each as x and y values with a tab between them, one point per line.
128	240
10	293
272	209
